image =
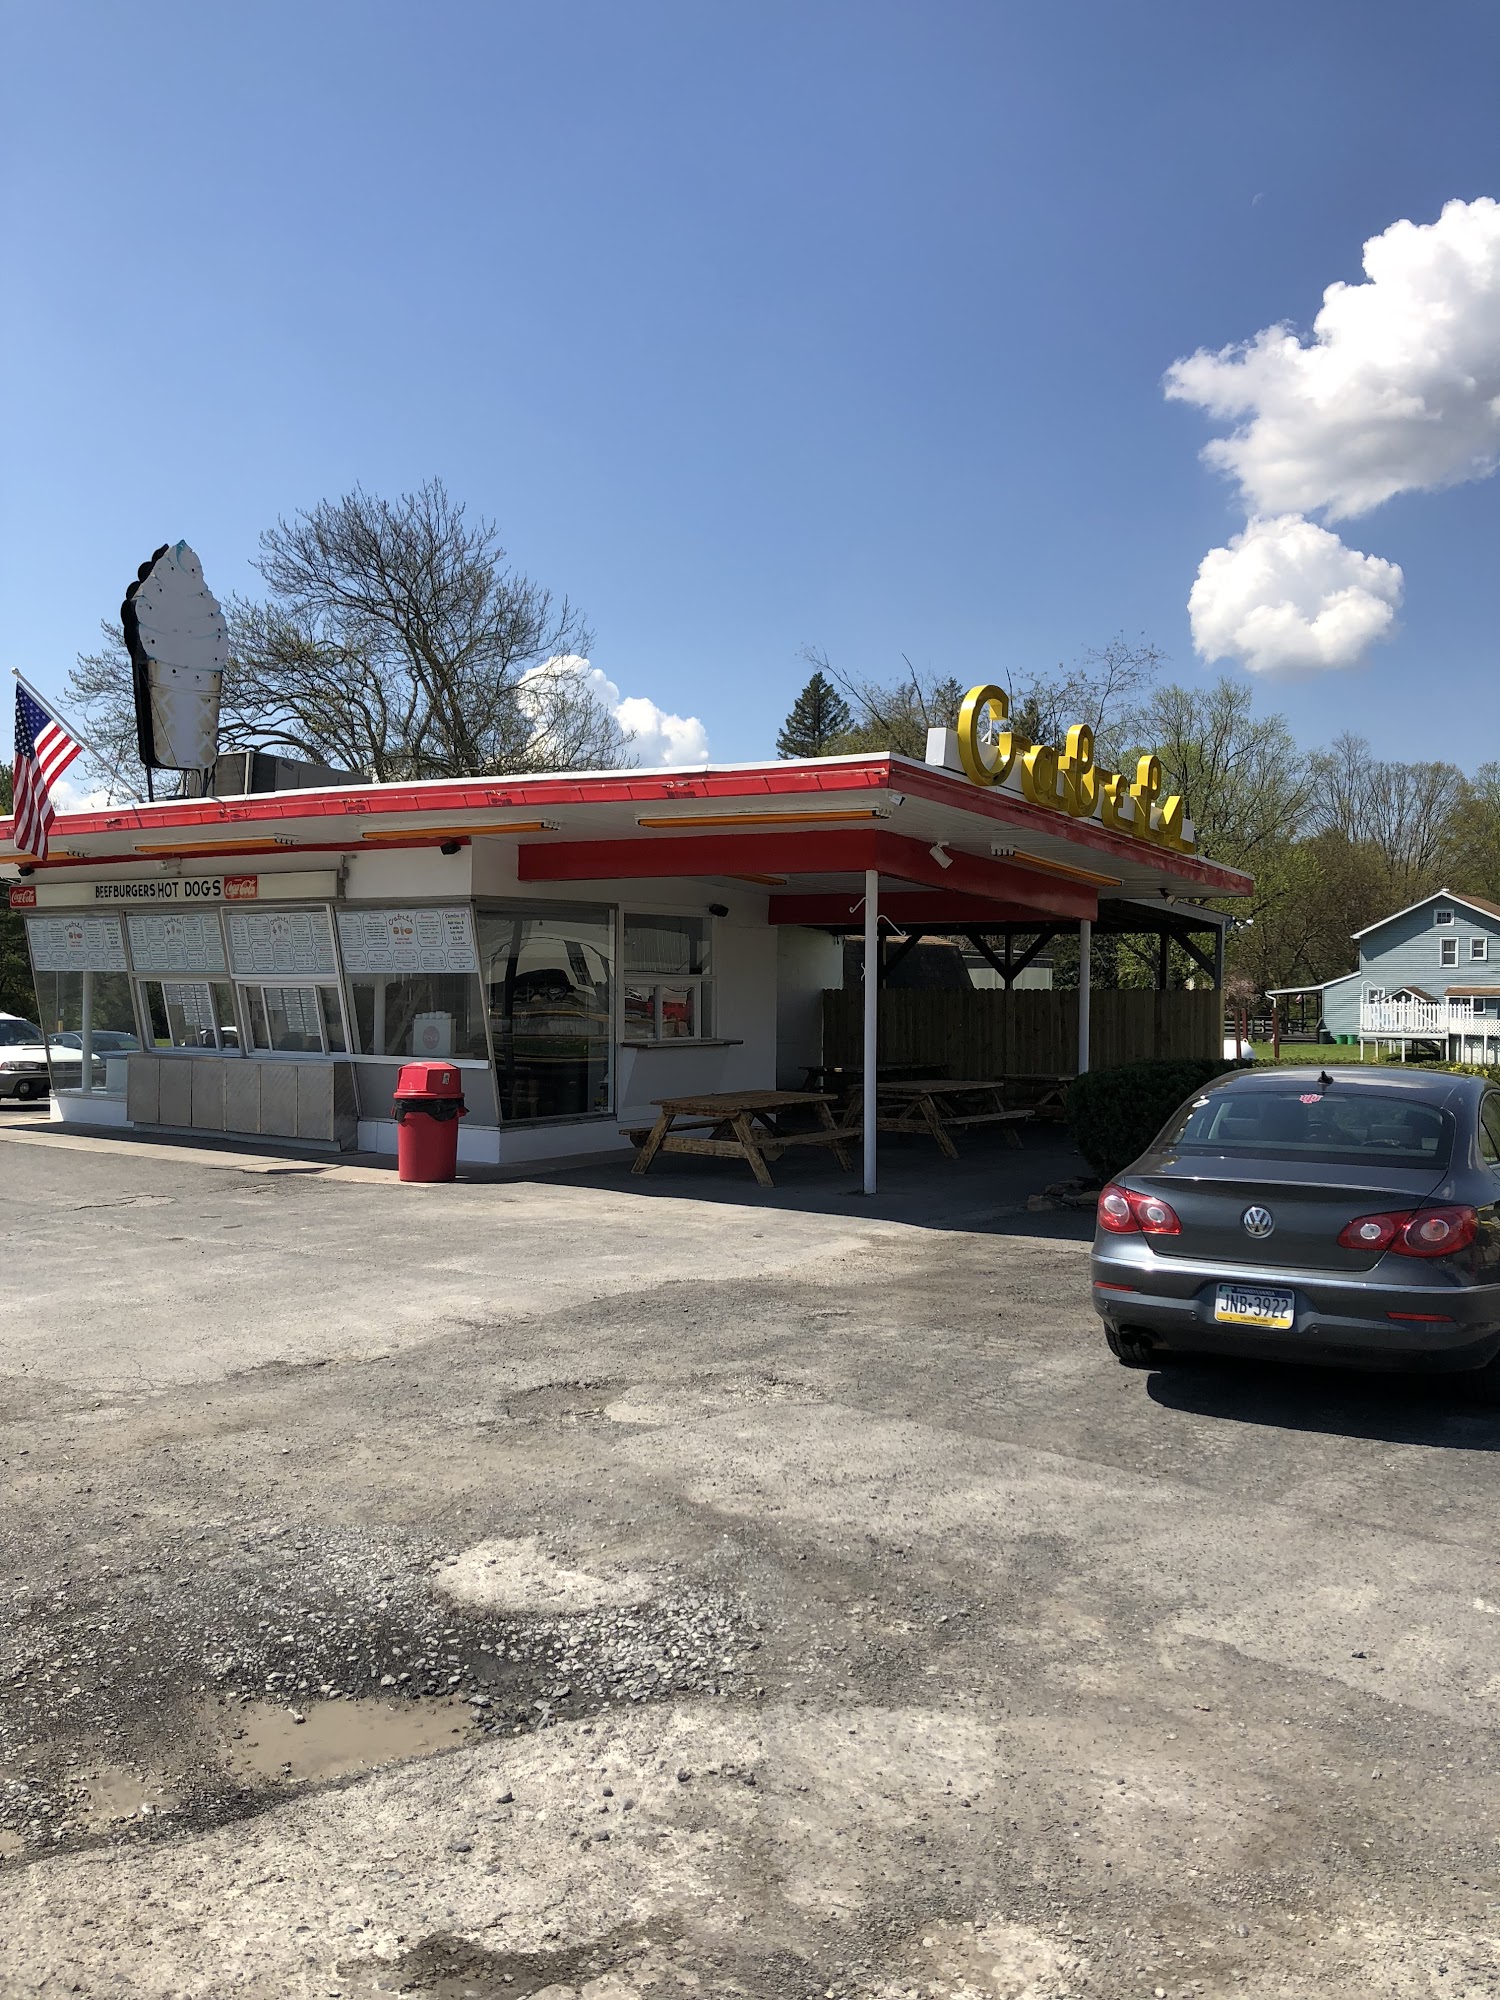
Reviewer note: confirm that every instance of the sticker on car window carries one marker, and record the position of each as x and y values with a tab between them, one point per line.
1311	1097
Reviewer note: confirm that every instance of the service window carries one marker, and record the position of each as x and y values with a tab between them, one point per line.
667	983
296	1020
190	1013
1448	951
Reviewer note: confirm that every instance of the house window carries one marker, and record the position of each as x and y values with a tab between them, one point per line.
1479	947
667	988
1442	916
1447	951
1376	993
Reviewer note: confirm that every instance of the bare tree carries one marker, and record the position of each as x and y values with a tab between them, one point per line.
395	640
1403	811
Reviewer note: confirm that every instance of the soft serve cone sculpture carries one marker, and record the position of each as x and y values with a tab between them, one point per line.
178	644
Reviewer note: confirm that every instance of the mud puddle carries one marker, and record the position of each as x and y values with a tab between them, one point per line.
115	1794
266	1741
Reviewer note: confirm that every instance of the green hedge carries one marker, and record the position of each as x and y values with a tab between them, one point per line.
1114	1114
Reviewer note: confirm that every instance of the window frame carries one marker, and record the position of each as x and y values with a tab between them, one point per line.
1447	953
1442	917
248	991
702	984
1479	950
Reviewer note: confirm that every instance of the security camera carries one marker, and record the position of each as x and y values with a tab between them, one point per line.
449	846
718	909
940	855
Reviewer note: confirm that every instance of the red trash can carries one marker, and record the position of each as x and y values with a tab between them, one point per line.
428	1103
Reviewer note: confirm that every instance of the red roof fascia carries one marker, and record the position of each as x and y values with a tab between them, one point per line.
481	795
815	851
931	781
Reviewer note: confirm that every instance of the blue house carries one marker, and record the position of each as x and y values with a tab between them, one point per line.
1430	974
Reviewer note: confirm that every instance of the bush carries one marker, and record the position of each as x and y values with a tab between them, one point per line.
1114	1114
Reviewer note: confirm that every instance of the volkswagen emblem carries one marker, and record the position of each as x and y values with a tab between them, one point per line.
1258	1221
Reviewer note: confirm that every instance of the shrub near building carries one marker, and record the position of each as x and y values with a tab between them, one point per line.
1114	1114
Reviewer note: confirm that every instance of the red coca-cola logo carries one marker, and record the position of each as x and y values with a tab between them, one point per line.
241	888
23	896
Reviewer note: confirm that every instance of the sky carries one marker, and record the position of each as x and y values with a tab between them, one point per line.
890	330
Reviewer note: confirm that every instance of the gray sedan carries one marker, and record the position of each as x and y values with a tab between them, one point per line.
1347	1217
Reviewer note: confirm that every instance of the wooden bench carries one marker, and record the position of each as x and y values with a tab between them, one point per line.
741	1125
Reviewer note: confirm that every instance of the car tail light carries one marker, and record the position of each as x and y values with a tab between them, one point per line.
1123	1212
1423	1232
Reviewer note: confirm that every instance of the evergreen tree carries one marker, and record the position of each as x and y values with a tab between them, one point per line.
819	714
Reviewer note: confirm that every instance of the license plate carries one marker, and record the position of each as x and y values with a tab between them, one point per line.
1245	1305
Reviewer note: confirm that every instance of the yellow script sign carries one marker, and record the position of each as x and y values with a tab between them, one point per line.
1068	780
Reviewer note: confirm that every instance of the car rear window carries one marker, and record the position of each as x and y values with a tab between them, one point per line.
1336	1125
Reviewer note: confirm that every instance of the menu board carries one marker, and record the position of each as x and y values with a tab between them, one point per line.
76	944
413	940
295	943
176	941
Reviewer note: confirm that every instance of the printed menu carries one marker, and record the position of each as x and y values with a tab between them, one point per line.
295	943
176	941
76	944
407	940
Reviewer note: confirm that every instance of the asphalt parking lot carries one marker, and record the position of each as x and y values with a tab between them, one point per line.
578	1588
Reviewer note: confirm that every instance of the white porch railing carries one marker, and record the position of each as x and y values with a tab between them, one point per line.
1423	1020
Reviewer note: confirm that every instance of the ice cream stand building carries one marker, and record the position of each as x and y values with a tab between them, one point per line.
579	945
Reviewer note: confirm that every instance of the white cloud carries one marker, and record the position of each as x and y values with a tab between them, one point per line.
1397	391
68	797
658	736
1288	595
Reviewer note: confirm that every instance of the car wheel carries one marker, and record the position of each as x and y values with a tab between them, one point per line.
1130	1349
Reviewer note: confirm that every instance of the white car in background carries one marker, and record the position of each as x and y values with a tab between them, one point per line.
23	1061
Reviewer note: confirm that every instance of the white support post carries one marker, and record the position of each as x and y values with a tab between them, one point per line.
86	1035
1085	973
872	1018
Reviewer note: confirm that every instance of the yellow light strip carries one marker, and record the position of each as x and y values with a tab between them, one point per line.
768	818
1058	868
377	834
185	849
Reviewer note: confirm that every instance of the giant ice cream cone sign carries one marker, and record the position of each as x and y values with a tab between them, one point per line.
179	644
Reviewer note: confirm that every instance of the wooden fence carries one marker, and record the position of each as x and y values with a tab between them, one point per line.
989	1032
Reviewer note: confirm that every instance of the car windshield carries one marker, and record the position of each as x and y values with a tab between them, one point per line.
1347	1125
15	1034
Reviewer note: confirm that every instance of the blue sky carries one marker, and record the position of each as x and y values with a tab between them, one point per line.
753	327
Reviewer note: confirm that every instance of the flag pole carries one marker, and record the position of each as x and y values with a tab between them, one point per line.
52	709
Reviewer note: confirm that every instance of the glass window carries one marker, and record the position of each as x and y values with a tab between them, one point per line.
296	1020
1489	1129
190	1013
676	1003
1479	947
666	944
1448	951
1357	1127
1442	916
424	1014
548	977
59	999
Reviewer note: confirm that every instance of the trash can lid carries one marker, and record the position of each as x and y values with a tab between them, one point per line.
425	1079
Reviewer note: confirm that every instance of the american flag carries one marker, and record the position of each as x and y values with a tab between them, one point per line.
44	750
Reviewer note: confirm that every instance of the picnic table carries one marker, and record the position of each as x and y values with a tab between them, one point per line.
740	1125
1049	1091
941	1105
